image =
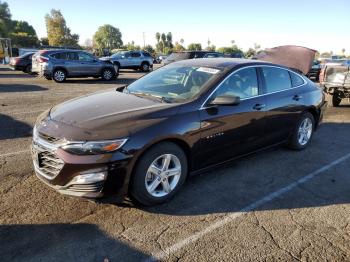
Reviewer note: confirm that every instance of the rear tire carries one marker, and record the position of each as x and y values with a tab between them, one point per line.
145	67
28	69
336	99
302	132
59	75
169	183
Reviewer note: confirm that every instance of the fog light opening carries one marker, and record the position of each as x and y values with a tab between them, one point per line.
89	178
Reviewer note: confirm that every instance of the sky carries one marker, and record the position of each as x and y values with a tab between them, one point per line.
320	25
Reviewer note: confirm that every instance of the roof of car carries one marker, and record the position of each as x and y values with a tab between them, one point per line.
219	62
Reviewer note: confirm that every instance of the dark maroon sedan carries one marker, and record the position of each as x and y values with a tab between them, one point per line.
178	120
22	63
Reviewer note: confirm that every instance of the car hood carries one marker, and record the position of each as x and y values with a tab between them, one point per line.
107	115
297	57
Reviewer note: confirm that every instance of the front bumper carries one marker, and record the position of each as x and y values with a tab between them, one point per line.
88	176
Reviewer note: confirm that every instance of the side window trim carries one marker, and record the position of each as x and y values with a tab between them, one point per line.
261	88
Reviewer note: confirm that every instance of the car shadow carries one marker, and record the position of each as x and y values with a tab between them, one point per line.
8	88
11	128
63	242
17	75
236	185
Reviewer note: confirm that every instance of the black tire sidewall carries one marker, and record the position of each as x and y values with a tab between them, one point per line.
294	142
335	100
143	64
138	189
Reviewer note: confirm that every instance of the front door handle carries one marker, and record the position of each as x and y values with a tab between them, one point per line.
259	106
297	97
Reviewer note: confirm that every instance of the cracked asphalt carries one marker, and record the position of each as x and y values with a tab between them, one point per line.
308	222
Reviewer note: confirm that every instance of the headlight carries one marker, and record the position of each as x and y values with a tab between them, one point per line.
95	147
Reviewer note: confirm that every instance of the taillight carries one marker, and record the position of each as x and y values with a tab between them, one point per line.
15	60
42	59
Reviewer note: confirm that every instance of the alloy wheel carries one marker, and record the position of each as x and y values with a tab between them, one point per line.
163	175
59	76
107	74
305	131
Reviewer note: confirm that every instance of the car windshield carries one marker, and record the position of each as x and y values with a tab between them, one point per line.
174	83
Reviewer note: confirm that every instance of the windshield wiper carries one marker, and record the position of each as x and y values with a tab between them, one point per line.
159	98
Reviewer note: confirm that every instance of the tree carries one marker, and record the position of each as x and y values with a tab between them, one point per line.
23	35
149	49
178	47
5	19
230	50
57	31
182	41
257	47
343	51
108	36
194	47
250	53
169	40
44	41
211	48
158	37
163	37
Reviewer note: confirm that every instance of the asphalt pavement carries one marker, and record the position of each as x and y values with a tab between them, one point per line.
276	205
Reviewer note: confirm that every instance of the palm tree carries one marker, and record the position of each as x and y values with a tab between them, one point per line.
158	37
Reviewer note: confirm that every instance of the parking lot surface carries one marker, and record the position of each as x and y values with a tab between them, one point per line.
274	205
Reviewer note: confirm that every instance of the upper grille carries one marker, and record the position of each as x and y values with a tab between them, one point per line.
48	138
47	162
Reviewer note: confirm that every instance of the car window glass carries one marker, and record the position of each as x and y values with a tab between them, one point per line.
61	55
72	56
296	80
146	54
85	57
127	55
243	83
135	54
276	79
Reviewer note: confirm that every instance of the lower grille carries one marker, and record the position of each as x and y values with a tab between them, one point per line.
95	187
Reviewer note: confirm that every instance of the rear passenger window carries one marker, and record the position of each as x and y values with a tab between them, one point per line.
135	54
62	55
276	79
72	56
146	54
296	80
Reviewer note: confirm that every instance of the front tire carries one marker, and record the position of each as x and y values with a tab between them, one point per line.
302	132
28	69
107	74
59	75
159	174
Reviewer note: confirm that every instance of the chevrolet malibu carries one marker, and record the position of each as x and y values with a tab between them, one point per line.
143	140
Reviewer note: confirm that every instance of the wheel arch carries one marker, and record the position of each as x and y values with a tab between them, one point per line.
315	113
175	140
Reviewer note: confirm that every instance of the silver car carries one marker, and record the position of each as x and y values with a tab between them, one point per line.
138	60
61	64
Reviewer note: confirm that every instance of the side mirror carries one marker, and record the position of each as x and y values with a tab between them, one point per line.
226	100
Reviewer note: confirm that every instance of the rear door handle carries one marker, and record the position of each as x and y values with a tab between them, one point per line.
297	97
259	106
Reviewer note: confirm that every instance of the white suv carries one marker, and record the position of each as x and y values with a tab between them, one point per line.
141	60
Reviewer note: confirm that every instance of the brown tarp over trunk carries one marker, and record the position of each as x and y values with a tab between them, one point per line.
291	56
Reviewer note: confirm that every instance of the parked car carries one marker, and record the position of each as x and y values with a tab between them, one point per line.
335	79
138	60
315	70
234	55
178	56
61	64
22	63
181	119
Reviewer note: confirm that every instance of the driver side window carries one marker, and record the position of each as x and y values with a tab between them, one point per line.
243	83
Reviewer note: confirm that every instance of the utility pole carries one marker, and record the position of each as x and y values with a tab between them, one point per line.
144	42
